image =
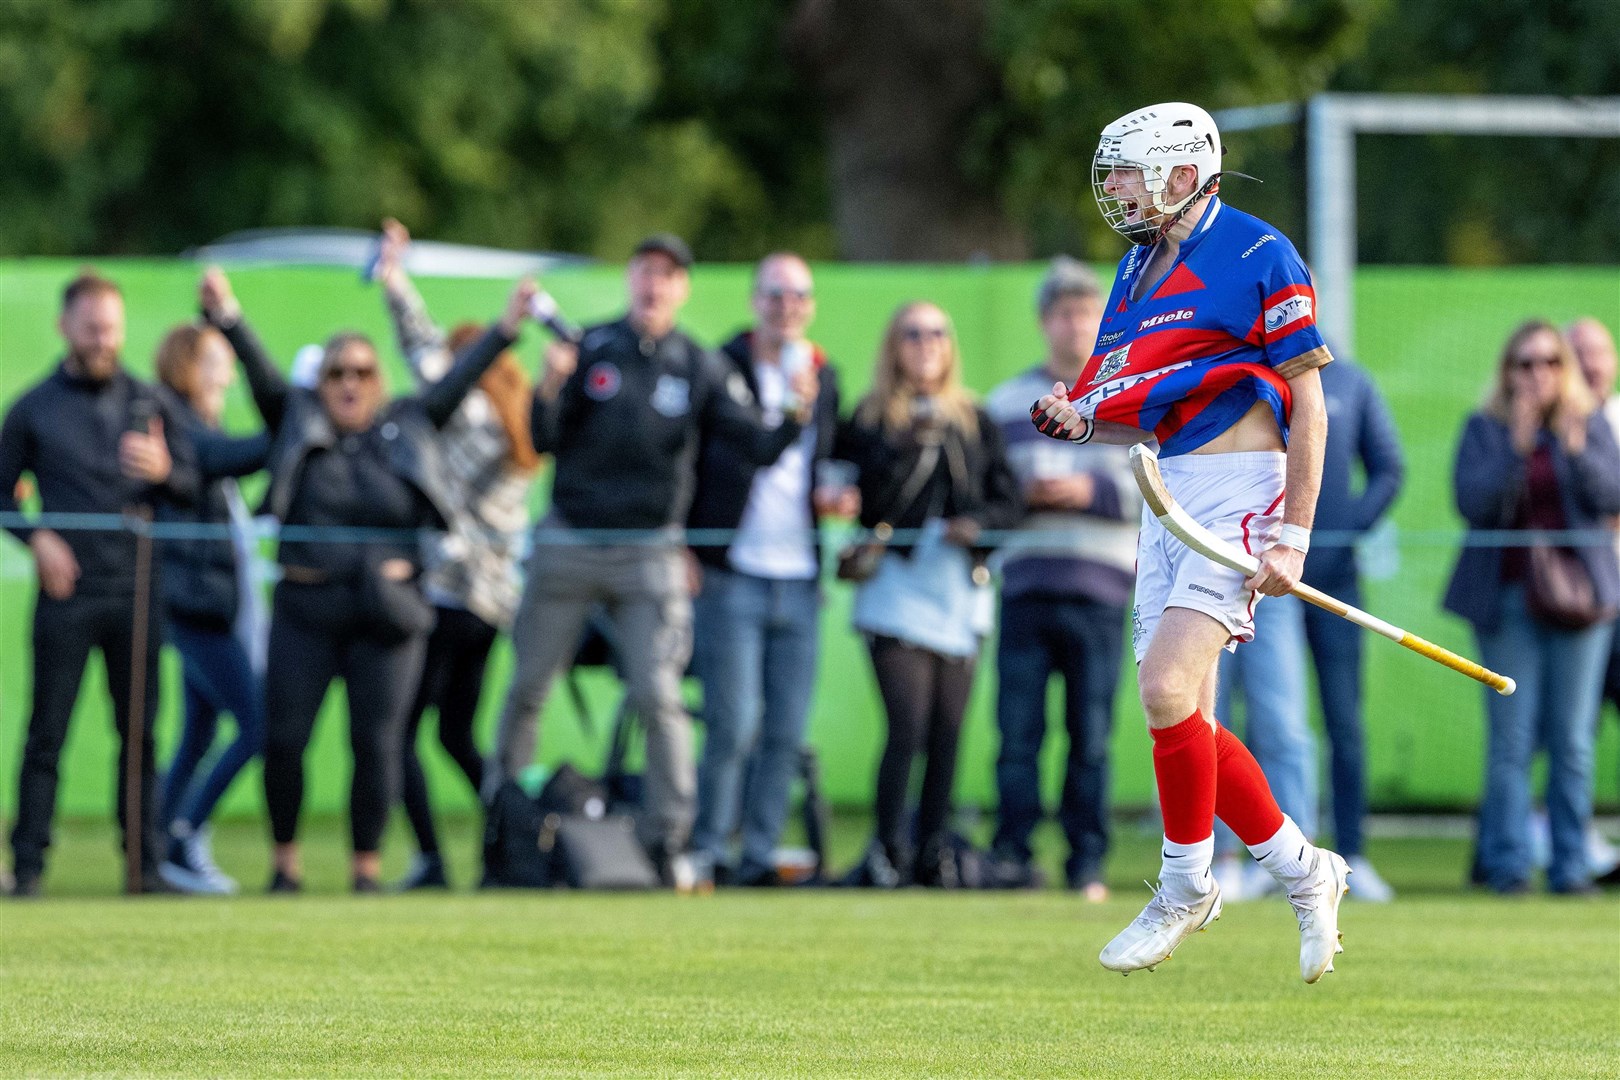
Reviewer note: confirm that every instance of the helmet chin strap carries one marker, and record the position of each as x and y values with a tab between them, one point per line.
1145	235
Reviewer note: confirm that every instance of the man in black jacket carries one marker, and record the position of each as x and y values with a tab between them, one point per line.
623	415
98	442
757	616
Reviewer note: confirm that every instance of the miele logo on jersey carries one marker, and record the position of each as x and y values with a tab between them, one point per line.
1168	317
1179	148
1290	310
1254	247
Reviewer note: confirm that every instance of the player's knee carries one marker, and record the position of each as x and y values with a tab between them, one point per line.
1166	699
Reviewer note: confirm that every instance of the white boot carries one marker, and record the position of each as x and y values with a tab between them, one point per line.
1316	905
1164	924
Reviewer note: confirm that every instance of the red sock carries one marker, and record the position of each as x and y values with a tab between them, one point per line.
1184	762
1243	799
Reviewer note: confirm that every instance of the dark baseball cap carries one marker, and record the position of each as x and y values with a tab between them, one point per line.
667	244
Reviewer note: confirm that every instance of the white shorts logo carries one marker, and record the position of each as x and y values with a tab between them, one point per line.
1290	310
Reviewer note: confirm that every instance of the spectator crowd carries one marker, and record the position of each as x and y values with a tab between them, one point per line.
689	489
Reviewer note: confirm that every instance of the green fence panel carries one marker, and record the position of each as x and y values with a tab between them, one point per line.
1429	336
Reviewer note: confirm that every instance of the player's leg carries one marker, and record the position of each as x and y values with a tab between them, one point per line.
1176	680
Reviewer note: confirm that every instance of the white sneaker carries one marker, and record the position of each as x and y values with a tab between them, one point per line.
194	871
1164	924
1316	906
1368	886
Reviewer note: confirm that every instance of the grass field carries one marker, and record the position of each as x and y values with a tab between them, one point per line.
789	983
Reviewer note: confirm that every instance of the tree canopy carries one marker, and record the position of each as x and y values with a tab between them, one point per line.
877	129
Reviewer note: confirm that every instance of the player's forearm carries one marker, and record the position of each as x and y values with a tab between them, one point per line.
1307	442
1118	434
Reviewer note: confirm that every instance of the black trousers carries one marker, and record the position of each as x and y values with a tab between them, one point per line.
314	638
64	633
452	682
925	696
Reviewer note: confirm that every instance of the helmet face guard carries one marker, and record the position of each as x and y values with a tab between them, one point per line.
1135	158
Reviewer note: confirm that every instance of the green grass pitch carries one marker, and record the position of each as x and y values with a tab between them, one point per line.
788	983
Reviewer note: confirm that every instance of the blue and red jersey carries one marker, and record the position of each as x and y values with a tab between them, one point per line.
1230	323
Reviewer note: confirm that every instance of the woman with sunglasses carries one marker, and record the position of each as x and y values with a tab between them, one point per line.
934	470
1538	456
365	472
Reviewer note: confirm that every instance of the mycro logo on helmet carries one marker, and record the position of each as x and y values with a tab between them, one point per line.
1170	316
1179	148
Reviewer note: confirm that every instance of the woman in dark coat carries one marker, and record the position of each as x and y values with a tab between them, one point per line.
355	479
933	468
1537	456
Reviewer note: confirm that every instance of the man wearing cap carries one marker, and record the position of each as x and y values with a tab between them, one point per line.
623	415
1065	586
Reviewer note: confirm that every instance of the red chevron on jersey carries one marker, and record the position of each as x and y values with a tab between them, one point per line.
1230	323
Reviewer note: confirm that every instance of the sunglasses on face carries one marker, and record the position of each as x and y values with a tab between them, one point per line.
358	374
780	295
1530	363
924	333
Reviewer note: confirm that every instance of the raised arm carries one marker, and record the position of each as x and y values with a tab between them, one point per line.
220	455
421	340
443	398
269	387
731	413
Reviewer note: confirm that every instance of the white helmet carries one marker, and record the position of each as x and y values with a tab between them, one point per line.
1155	140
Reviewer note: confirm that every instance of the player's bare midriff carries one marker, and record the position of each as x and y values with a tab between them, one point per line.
1255	430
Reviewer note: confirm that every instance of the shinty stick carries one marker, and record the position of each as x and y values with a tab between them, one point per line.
1145	464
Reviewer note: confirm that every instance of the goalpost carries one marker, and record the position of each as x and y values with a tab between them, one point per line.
1332	122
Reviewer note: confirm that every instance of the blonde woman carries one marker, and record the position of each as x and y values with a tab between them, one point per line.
1537	456
933	468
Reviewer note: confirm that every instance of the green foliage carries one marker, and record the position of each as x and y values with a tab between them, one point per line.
1472	200
155	124
1071	66
152	125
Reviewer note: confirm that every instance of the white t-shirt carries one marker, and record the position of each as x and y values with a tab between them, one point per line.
775	537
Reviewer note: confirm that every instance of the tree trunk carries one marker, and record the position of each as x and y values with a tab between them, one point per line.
902	80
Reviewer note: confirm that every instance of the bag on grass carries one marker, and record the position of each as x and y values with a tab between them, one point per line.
513	856
600	853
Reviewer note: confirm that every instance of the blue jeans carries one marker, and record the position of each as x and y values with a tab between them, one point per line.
1270	671
1336	646
219	677
1082	640
755	647
1560	676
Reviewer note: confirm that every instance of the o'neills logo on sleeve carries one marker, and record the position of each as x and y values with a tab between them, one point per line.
1296	308
1168	317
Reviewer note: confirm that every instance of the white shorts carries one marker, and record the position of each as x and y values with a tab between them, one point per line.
1239	498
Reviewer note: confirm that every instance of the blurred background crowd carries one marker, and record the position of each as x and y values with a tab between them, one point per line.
681	500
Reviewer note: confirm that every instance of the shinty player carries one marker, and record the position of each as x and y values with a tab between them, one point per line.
1209	344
